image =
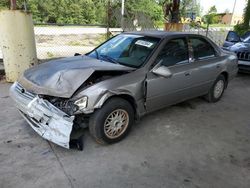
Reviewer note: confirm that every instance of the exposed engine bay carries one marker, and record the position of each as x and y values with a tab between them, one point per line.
67	105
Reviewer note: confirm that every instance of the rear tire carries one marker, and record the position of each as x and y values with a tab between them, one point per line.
112	122
216	91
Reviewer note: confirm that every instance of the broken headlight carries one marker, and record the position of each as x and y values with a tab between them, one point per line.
81	103
65	105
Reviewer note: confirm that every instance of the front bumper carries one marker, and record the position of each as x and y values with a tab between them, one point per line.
48	121
244	66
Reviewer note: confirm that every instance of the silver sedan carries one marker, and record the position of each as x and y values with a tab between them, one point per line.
128	76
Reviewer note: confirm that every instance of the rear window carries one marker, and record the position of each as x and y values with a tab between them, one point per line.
201	48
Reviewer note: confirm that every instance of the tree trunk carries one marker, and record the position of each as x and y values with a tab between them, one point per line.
13	4
207	29
175	17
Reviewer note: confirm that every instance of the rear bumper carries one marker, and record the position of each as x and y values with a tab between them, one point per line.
48	121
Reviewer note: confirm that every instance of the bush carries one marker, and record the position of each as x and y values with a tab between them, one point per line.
241	29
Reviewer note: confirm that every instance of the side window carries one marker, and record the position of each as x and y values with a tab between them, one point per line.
174	52
202	48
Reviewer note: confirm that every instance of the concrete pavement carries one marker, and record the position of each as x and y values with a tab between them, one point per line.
193	144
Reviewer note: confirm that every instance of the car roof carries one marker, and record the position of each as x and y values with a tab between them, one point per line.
161	34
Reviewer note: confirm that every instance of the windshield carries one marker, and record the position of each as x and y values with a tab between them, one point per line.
125	49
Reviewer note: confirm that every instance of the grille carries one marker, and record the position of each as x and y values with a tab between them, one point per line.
20	89
245	56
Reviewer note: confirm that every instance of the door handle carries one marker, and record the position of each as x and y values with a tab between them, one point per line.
187	73
217	66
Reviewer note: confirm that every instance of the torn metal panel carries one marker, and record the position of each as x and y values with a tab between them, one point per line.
63	77
130	85
48	121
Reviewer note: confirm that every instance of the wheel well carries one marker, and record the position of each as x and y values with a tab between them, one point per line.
225	74
128	98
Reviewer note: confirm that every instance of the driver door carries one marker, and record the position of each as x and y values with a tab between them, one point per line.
162	91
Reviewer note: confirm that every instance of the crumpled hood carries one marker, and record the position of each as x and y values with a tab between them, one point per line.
62	77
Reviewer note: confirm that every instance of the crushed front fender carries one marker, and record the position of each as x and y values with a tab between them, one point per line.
48	121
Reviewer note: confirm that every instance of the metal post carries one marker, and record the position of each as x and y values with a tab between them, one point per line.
192	14
108	19
122	14
233	12
25	5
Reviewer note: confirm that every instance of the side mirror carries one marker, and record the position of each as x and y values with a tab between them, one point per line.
162	71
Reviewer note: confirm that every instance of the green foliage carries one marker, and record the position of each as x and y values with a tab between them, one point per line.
212	9
244	27
186	6
95	11
211	17
241	29
247	15
190	6
4	4
50	54
149	7
64	11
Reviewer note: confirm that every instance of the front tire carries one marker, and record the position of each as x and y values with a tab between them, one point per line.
217	90
112	122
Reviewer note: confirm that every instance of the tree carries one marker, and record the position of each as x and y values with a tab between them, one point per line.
247	15
148	7
244	27
190	6
85	11
4	4
211	17
171	9
186	8
212	9
137	10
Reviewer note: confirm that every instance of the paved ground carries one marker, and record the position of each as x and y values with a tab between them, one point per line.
193	144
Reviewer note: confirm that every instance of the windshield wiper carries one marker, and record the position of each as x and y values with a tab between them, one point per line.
110	59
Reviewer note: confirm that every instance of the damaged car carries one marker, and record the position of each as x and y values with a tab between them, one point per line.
123	79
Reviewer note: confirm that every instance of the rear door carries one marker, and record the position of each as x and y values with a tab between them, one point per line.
206	62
